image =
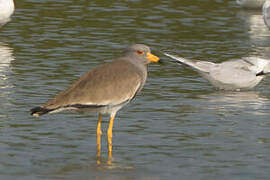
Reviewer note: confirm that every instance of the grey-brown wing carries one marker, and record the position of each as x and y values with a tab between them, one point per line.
109	84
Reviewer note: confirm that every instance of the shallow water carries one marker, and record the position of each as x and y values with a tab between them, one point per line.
178	127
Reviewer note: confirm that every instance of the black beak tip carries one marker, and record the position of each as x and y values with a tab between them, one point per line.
260	73
161	61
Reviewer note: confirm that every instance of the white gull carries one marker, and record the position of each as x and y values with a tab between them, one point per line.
6	10
237	75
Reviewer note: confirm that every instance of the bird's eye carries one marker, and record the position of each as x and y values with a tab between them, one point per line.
140	52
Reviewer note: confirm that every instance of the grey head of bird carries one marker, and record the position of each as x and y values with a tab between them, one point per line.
140	53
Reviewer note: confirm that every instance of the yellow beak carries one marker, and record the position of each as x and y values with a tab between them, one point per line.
152	57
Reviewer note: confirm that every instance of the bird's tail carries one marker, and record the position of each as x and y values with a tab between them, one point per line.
38	111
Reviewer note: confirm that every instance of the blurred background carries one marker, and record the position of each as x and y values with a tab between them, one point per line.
178	127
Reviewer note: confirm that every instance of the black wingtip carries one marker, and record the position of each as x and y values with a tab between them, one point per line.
38	111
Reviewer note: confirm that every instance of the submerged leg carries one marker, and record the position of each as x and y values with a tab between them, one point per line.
109	135
99	133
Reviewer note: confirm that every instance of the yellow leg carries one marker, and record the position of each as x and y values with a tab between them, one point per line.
99	133
109	134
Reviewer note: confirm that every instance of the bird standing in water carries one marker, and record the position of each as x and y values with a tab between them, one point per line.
105	89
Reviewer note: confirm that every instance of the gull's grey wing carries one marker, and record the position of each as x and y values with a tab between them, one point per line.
235	74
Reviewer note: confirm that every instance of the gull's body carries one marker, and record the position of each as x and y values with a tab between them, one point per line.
105	89
250	4
230	75
266	13
6	10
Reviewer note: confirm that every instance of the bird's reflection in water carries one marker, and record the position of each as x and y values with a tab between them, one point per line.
257	30
101	162
109	163
266	53
6	57
250	101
